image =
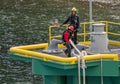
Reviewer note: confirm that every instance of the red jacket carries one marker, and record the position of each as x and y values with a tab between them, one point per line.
66	36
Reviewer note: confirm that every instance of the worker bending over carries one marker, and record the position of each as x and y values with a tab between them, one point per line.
67	35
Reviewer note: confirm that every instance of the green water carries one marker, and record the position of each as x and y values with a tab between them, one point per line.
26	22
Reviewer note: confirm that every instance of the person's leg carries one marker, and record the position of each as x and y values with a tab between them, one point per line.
68	50
75	37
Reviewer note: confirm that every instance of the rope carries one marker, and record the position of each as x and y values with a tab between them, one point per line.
79	77
83	66
83	63
101	70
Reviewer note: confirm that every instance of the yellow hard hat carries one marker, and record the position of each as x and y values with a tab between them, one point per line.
74	9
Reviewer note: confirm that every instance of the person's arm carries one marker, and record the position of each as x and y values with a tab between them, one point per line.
66	21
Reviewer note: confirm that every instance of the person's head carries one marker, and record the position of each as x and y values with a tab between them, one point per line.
71	28
74	10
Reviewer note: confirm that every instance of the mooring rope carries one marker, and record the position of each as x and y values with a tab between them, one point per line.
83	63
83	66
78	56
101	63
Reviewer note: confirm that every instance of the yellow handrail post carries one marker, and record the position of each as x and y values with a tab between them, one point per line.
50	33
84	32
107	27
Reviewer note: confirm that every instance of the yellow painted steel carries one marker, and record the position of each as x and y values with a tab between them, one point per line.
107	27
43	56
85	43
115	43
85	28
114	33
114	23
61	46
33	47
56	36
102	56
84	32
111	42
97	22
50	34
71	60
25	50
81	34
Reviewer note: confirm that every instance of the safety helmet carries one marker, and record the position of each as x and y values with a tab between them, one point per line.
74	9
71	28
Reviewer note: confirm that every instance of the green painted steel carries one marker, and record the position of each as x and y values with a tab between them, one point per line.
109	68
54	79
65	73
60	79
106	80
74	80
19	57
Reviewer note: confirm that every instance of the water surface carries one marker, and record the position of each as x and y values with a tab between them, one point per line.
24	22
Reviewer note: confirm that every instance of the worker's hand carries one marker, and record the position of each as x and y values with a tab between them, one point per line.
63	24
70	40
66	25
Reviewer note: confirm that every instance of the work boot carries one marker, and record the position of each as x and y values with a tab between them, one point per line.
75	42
66	53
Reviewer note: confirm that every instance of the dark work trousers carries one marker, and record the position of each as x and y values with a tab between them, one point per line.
68	50
75	37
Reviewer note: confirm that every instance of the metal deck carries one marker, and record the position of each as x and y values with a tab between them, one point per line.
112	49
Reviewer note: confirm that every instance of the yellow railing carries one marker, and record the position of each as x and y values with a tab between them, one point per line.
26	52
84	26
